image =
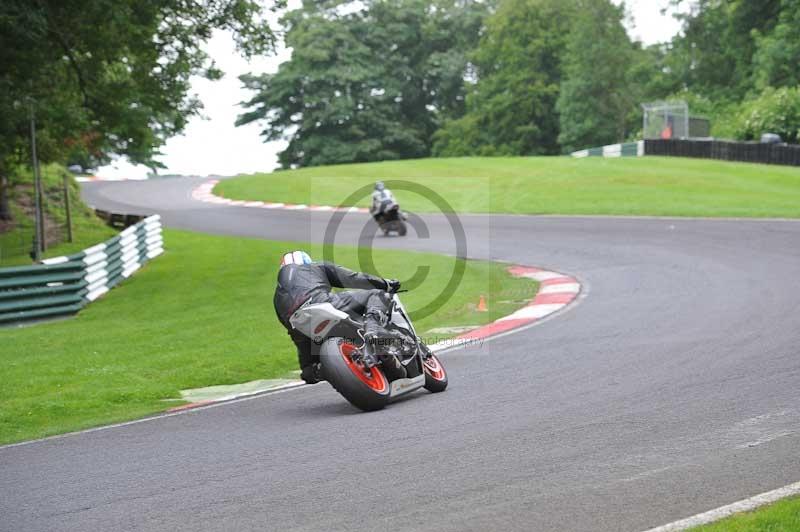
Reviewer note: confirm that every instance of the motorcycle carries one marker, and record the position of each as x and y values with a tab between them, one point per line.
391	219
370	374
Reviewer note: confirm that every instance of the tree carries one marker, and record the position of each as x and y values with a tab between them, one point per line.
596	95
366	84
773	111
714	54
518	64
108	76
777	57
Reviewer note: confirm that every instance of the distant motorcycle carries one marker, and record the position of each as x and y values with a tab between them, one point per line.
369	375
391	219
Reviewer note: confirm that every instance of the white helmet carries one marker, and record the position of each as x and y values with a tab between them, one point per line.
296	257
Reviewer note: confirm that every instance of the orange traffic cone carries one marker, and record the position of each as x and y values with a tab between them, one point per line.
482	305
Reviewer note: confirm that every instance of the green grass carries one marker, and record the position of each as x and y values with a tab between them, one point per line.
199	315
87	229
665	186
783	516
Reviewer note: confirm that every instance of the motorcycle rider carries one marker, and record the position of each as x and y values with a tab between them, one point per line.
382	198
300	280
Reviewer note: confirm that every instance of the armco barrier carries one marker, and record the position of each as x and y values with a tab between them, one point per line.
626	149
753	152
63	285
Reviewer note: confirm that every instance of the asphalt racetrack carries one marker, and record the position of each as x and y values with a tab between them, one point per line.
672	387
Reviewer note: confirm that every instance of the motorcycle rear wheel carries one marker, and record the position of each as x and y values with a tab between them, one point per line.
367	389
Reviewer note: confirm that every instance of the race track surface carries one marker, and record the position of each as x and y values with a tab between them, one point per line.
670	389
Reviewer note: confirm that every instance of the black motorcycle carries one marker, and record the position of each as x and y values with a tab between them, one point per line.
391	219
369	375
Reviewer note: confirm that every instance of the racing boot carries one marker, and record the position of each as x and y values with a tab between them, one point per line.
312	373
376	337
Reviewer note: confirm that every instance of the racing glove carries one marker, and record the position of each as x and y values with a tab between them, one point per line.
392	285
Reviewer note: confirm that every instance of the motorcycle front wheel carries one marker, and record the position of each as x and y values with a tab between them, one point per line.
435	375
365	388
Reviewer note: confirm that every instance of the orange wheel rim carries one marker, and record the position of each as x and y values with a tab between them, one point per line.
372	377
434	368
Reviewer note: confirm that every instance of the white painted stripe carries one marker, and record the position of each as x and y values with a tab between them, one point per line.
127	239
92	277
563	288
130	271
55	260
543	275
94	249
91	296
533	312
612	150
126	255
322	208
453	343
96	266
130	257
253	204
722	512
155	253
132	242
103	281
127	231
273	205
295	207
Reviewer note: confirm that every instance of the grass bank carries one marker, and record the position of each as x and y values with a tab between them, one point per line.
16	237
199	315
783	516
665	186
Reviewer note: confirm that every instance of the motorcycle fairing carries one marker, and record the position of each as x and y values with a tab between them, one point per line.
317	320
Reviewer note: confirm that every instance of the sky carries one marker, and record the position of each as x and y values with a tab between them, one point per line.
212	145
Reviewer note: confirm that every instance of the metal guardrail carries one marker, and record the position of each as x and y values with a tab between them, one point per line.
626	149
753	152
64	285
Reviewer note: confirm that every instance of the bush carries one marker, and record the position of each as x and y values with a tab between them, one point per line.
774	111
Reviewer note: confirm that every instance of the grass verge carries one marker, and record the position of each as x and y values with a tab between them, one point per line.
782	516
663	186
199	315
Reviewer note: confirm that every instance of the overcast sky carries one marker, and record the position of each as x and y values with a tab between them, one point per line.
212	145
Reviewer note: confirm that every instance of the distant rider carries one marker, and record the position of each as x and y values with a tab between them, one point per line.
382	199
301	280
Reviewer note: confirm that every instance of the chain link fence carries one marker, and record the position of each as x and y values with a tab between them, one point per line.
666	120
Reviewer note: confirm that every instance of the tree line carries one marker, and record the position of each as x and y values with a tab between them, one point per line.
412	78
385	79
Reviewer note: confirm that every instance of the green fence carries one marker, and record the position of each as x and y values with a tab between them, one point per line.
63	285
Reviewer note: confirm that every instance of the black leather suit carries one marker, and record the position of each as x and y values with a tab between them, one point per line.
297	283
